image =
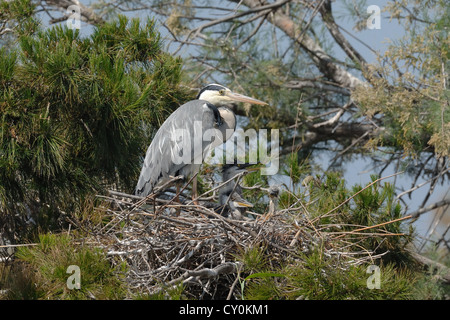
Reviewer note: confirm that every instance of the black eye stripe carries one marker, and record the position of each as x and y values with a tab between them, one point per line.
217	118
212	87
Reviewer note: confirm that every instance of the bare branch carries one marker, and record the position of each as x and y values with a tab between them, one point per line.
195	32
417	213
328	19
324	62
87	14
300	84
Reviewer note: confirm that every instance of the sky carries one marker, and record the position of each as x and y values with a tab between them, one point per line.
377	38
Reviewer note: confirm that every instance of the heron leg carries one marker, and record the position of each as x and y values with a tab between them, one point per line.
177	199
194	191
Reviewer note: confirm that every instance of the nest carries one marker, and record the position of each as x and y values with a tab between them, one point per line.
168	245
196	247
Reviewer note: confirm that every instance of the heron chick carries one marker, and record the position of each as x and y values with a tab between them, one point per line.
230	195
173	151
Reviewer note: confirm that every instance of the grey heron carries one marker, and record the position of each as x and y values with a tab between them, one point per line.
230	195
173	140
273	191
233	206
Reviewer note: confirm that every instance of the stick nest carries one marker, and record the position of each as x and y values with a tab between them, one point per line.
168	245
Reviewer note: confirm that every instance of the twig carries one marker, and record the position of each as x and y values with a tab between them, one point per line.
417	213
422	184
375	226
198	30
237	176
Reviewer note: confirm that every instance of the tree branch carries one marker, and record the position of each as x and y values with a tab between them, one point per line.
421	211
300	84
198	30
87	14
328	19
328	132
323	61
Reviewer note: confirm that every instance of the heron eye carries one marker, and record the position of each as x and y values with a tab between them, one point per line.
221	92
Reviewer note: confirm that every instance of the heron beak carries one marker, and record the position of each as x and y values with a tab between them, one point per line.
253	169
240	204
241	98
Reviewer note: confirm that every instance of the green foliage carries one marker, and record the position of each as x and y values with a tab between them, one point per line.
254	259
322	277
257	264
430	286
375	205
17	17
328	192
295	169
314	273
410	87
44	272
77	113
257	198
265	287
329	202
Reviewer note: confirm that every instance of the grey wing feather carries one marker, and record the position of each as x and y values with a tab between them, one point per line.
158	163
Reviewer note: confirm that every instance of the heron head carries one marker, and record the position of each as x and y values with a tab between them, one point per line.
231	170
233	200
219	95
